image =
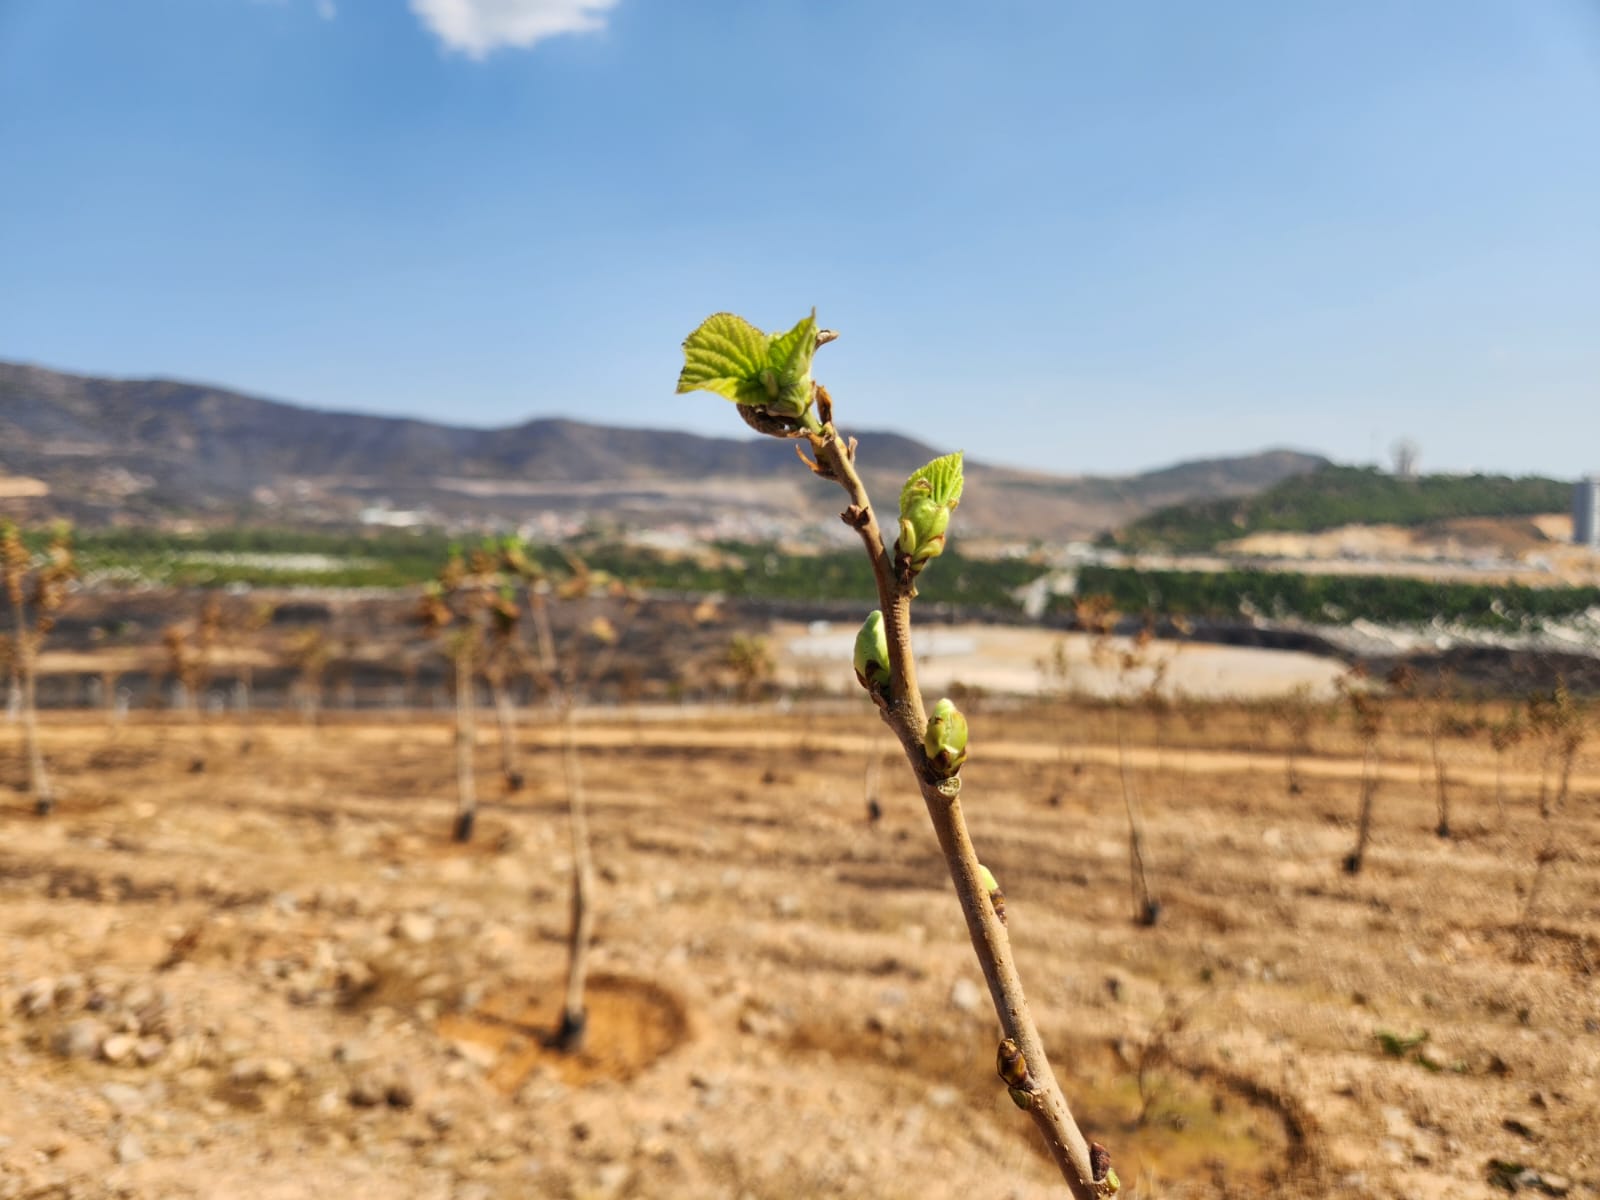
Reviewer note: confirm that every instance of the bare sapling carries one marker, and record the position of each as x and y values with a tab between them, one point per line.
1558	721
1097	616
567	672
1297	711
1366	714
1055	672
1443	722
36	593
306	655
189	648
504	658
1146	908
768	376
749	657
240	626
453	609
1504	735
872	782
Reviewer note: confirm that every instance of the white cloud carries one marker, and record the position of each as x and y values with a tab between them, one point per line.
476	27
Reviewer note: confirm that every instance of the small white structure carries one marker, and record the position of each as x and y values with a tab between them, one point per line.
1586	511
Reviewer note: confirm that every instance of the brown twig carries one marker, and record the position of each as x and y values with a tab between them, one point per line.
903	711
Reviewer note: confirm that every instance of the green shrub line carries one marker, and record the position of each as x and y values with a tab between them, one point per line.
1337	495
1331	599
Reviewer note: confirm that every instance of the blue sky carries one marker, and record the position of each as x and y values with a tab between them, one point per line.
1071	234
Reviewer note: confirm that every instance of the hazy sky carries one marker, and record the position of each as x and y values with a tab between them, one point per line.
1076	234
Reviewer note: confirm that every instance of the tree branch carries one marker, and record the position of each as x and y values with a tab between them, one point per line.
903	711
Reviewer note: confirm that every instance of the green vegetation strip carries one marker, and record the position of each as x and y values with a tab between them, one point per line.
266	557
1336	496
400	558
1386	599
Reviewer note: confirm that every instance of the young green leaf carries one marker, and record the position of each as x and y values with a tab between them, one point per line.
731	357
939	481
926	502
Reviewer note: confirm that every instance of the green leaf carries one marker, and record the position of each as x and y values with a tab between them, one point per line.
727	355
939	481
926	501
789	354
731	357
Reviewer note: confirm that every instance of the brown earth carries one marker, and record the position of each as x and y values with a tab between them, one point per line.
265	973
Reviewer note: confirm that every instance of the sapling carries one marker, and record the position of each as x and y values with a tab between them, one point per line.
1366	712
239	625
305	654
452	610
872	784
189	653
1504	735
504	655
1096	615
566	677
41	588
749	657
768	376
1146	908
1557	719
1443	721
1558	722
1056	672
1297	711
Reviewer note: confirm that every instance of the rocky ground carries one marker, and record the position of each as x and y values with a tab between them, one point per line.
247	963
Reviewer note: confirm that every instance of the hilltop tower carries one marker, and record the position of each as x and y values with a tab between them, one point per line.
1586	512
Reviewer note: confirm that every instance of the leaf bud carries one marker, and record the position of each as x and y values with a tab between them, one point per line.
928	498
996	897
1011	1066
945	740
872	653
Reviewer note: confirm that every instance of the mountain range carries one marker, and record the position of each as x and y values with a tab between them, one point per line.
152	451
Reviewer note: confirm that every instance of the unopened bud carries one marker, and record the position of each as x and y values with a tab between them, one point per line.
1100	1167
1011	1066
872	653
996	897
945	740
